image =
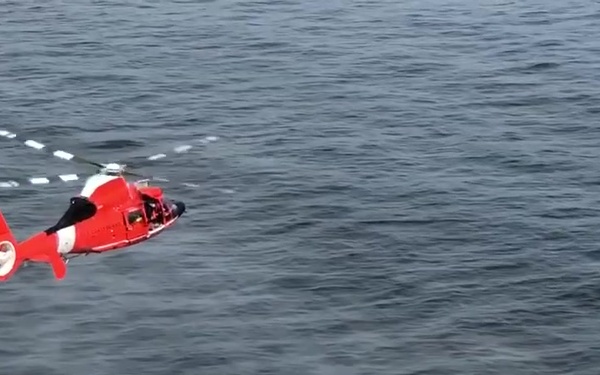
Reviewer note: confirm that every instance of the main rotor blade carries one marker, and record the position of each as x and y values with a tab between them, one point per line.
64	155
61	154
41	180
181	149
42	147
68	178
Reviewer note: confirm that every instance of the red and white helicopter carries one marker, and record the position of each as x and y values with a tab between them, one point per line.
109	213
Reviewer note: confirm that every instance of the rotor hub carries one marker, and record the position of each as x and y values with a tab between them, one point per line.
113	169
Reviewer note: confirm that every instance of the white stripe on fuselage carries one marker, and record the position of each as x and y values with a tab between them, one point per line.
65	239
94	182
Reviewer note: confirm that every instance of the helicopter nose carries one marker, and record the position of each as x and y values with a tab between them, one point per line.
178	208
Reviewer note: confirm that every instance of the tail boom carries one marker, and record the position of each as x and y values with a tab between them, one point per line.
40	248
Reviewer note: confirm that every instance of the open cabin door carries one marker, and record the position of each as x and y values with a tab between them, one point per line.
135	222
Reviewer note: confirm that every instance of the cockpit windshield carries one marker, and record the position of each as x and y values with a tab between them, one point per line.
79	210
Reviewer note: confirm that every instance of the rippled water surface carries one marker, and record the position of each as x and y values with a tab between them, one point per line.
397	187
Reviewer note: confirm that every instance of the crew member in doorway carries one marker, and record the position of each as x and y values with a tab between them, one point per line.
153	210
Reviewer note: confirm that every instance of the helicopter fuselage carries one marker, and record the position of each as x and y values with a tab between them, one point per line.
110	213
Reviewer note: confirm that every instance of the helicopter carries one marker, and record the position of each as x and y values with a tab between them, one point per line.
108	214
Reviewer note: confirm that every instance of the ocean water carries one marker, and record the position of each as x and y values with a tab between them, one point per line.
394	187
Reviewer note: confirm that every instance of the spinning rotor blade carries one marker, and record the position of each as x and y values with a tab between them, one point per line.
42	180
42	147
182	149
63	178
68	156
61	154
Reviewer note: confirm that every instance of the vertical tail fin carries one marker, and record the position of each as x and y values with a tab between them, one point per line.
10	260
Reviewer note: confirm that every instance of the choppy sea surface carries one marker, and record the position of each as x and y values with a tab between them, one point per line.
396	187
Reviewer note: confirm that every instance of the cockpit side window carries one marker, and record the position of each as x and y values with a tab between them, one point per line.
135	217
79	210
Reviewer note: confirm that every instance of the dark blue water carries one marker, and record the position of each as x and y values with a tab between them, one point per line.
397	187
